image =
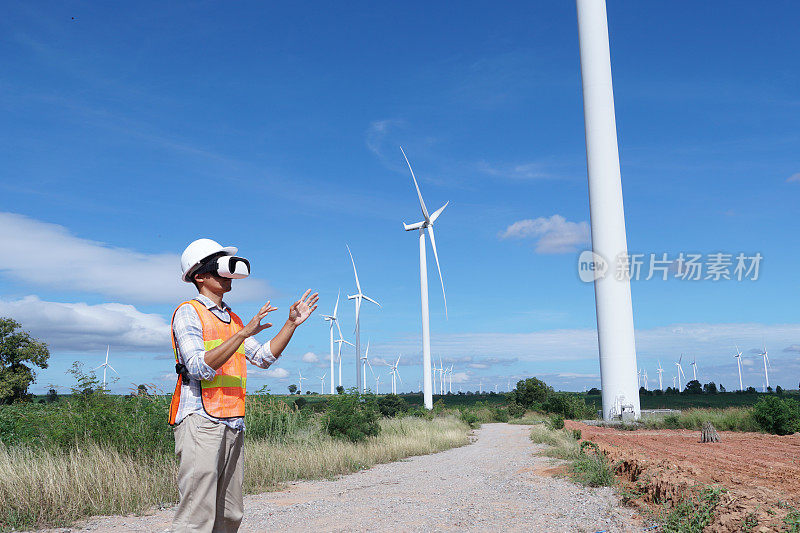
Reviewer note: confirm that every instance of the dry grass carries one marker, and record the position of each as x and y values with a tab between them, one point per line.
46	487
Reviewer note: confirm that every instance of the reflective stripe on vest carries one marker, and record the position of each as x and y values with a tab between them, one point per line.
223	396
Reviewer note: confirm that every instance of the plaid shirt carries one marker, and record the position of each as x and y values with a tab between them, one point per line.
188	331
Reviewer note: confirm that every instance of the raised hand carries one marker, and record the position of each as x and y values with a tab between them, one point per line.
302	308
255	326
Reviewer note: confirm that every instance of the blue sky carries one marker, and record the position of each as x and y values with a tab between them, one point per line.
131	130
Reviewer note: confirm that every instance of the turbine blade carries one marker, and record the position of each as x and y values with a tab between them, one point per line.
112	368
367	352
101	366
411	227
419	194
358	285
436	256
367	298
398	359
336	307
438	212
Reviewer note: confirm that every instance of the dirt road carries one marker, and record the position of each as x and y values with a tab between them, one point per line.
496	483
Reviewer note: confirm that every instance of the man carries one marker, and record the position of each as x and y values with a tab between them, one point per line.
212	346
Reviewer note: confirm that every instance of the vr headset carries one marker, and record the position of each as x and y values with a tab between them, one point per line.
226	266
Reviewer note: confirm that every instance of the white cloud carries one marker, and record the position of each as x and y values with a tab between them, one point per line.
275	372
49	255
793	178
310	357
478	365
80	326
554	235
520	171
793	348
376	135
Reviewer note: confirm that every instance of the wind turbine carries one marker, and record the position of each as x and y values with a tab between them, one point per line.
377	382
341	341
644	375
395	374
673	381
364	363
765	357
660	371
480	387
694	368
426	224
450	391
333	320
322	383
105	366
738	357
441	376
358	297
301	381
680	372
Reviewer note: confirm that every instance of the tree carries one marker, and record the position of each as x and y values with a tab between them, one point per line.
710	388
19	353
722	388
594	391
142	390
531	391
292	388
693	387
52	396
339	389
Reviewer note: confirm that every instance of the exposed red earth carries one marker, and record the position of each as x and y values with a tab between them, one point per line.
761	473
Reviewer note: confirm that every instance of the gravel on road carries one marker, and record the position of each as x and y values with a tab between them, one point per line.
497	483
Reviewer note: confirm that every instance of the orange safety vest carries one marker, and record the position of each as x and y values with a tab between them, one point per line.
223	396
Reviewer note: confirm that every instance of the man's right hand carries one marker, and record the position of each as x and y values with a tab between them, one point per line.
255	326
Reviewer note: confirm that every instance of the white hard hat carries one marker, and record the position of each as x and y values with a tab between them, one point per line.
197	251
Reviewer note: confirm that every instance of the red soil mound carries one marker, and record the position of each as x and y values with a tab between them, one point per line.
760	472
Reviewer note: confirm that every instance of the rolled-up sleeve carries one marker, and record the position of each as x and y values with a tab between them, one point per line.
188	332
257	353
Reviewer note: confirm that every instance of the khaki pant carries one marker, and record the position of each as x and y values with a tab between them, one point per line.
209	476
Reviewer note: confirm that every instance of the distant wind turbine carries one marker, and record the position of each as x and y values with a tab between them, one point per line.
358	297
426	224
694	368
301	381
333	320
738	357
106	366
765	357
660	371
680	372
322	383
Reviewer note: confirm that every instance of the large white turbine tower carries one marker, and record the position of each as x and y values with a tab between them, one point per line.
609	241
333	320
358	297
738	357
426	224
105	366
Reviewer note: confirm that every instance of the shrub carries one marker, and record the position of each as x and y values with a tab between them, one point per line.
392	405
500	414
470	418
556	422
515	410
352	416
569	406
300	403
592	469
777	415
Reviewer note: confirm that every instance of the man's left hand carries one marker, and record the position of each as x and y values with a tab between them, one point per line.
302	308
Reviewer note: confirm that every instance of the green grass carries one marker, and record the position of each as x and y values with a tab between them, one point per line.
731	419
692	514
587	465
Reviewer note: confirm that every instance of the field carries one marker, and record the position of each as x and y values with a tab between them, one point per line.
687	401
103	454
760	473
